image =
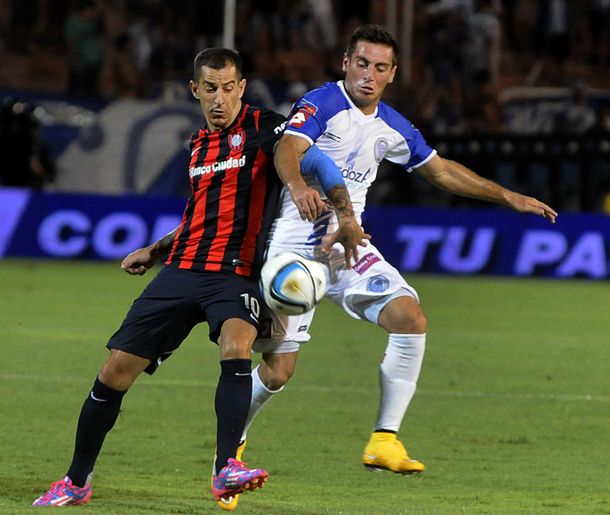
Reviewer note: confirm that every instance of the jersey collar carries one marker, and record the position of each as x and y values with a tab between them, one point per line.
341	85
244	106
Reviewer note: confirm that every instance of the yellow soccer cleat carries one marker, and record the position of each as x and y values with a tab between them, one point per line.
228	503
385	452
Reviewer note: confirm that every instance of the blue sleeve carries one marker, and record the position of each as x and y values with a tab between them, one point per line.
317	163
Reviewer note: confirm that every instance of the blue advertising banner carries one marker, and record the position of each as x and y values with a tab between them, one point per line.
34	224
498	242
465	242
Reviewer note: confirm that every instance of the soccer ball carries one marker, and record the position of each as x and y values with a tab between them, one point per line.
292	284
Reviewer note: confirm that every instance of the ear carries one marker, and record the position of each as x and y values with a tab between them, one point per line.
194	88
242	87
345	62
392	74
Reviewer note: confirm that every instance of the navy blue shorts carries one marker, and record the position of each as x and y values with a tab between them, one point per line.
175	301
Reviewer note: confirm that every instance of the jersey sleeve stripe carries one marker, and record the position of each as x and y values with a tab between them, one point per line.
300	135
421	163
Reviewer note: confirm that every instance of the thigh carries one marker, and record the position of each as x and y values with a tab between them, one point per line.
224	296
160	318
280	334
368	286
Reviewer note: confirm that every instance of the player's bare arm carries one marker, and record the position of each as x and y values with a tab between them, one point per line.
460	180
288	154
350	233
140	260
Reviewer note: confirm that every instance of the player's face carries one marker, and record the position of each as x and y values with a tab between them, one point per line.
219	92
368	71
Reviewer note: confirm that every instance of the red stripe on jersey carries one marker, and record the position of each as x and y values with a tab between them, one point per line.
226	213
226	210
176	239
255	212
196	230
257	114
170	257
196	226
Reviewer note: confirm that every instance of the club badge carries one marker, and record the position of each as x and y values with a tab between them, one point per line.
237	139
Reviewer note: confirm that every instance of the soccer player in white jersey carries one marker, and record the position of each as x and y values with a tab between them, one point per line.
348	122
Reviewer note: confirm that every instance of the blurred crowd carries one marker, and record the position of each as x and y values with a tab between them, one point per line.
464	51
26	161
464	55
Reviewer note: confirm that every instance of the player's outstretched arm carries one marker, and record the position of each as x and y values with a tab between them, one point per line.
140	260
456	178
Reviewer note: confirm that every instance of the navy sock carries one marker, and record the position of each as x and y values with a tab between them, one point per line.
232	405
98	415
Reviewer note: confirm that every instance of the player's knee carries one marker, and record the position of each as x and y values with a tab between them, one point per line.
121	370
275	371
278	378
403	316
418	323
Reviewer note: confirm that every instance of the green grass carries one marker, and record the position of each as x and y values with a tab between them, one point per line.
512	413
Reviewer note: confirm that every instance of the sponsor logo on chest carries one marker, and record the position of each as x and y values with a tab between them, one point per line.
218	166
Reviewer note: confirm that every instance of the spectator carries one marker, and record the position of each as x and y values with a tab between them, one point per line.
553	42
84	50
27	160
579	117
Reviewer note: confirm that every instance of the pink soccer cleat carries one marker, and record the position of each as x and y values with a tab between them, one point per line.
235	478
64	493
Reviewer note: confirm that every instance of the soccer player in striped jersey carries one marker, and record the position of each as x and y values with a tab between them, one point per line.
210	275
351	125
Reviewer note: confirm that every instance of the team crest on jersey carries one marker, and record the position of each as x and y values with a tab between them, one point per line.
304	111
381	147
237	139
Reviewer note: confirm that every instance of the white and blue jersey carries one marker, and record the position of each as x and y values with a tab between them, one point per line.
356	142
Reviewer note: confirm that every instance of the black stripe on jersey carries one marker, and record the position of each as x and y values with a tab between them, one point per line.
212	205
244	193
189	210
270	213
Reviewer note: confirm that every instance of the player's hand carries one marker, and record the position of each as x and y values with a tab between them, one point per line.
308	202
139	261
525	204
349	234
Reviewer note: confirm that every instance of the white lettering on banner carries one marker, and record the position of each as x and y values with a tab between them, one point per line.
539	248
54	243
164	224
452	258
69	233
452	253
118	234
218	166
587	256
417	238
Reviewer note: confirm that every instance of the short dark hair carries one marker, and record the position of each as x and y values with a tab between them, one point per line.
216	58
374	34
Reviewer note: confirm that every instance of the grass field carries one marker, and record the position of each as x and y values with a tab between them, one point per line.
512	414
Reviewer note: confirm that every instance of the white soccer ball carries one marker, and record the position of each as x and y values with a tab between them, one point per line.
292	284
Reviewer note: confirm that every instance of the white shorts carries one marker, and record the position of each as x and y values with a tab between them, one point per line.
362	291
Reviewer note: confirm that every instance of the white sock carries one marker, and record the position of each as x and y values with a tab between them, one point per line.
261	395
398	375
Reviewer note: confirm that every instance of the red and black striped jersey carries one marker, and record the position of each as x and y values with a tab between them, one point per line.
235	193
